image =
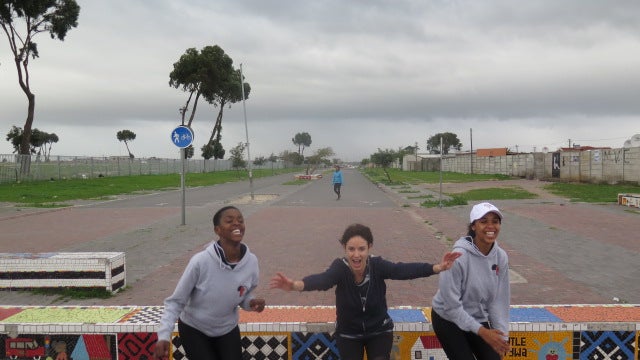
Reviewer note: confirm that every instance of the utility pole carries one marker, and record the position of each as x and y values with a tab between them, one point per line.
246	131
471	153
440	201
415	167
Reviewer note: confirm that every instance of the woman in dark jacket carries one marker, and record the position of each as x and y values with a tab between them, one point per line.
363	323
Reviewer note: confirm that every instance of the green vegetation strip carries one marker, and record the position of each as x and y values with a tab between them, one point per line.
490	194
57	192
577	192
592	193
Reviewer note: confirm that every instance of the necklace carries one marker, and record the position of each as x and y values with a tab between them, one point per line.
363	289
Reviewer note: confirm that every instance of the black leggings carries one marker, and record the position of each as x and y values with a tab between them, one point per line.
199	346
459	344
378	347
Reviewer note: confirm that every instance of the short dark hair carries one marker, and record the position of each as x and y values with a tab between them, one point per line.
356	230
218	214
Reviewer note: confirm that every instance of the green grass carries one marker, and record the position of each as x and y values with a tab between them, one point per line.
420	197
56	193
578	192
505	193
74	293
592	193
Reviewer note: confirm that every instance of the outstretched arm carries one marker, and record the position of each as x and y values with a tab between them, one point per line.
447	262
280	281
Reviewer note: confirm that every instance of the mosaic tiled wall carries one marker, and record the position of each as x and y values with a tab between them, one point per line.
102	270
128	333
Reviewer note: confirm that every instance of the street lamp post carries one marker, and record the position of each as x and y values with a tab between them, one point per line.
246	131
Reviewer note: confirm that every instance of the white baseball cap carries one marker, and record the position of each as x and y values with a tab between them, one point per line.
480	210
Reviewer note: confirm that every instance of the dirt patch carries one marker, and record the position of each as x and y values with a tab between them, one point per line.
257	199
532	186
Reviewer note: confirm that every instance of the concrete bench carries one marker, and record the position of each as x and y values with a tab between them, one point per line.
99	270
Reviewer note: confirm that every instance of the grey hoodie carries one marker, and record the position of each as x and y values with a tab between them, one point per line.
476	289
209	292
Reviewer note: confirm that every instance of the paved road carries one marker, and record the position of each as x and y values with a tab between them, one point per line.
560	252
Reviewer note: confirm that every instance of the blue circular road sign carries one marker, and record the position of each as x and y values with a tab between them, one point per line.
182	136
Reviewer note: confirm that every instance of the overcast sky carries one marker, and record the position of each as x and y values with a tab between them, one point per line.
355	75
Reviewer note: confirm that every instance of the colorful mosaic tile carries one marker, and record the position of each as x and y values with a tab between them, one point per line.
597	313
144	315
6	312
427	347
313	346
76	347
558	332
134	346
532	315
608	345
541	345
68	315
407	315
265	346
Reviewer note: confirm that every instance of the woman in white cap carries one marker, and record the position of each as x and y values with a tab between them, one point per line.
470	311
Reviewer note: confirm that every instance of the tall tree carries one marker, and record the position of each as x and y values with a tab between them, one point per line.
292	157
37	143
302	140
189	151
449	140
384	158
126	136
272	159
229	92
207	74
237	156
321	156
56	17
50	139
259	160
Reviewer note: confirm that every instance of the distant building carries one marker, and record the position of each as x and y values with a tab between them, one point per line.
491	152
584	148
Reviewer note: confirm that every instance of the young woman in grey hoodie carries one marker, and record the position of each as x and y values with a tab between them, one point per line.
470	312
205	302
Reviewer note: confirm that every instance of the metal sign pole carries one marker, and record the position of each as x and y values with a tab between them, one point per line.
182	186
182	137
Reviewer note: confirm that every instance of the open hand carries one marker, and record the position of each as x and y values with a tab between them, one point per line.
280	281
496	339
448	259
161	351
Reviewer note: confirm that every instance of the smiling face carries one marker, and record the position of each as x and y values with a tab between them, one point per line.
231	226
357	252
487	229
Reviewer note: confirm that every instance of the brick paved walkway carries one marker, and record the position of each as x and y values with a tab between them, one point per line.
564	252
